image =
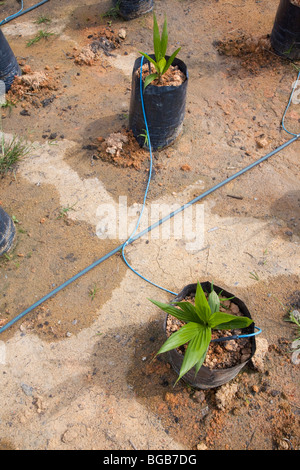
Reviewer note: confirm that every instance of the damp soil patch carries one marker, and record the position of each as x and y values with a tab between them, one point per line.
51	247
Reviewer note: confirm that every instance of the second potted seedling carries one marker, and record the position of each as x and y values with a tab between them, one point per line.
159	87
194	327
130	9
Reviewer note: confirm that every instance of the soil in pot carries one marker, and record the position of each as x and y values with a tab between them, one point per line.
173	76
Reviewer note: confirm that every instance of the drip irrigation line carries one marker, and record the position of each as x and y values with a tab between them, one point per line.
144	232
22	12
135	237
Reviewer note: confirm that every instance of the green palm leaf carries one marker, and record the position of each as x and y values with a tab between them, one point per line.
201	304
196	351
226	321
156	40
182	336
151	60
164	39
149	79
190	310
184	313
171	59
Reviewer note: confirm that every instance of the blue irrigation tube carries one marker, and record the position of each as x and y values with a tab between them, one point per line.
144	232
22	12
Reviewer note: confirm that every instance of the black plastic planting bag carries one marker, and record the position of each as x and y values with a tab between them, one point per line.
164	108
130	9
7	232
9	66
285	37
211	378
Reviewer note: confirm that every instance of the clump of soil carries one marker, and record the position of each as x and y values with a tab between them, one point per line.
121	149
33	87
103	42
255	53
220	355
172	77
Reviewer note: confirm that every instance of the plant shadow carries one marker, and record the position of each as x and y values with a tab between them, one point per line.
181	410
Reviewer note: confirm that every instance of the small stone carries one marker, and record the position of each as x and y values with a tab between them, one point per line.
202	446
27	389
283	445
24	112
199	396
185	167
230	346
26	69
262	142
69	435
261	350
122	33
225	395
234	308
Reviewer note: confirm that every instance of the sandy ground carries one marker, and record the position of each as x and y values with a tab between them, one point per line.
77	372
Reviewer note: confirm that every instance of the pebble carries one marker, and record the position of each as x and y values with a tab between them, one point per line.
122	33
202	446
69	435
225	395
262	142
27	389
199	397
261	350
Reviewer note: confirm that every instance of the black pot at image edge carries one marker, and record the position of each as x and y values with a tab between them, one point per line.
7	232
164	108
285	37
210	378
130	9
9	66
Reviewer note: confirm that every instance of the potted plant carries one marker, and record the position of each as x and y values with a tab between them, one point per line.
159	87
130	9
7	232
199	329
9	66
285	37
